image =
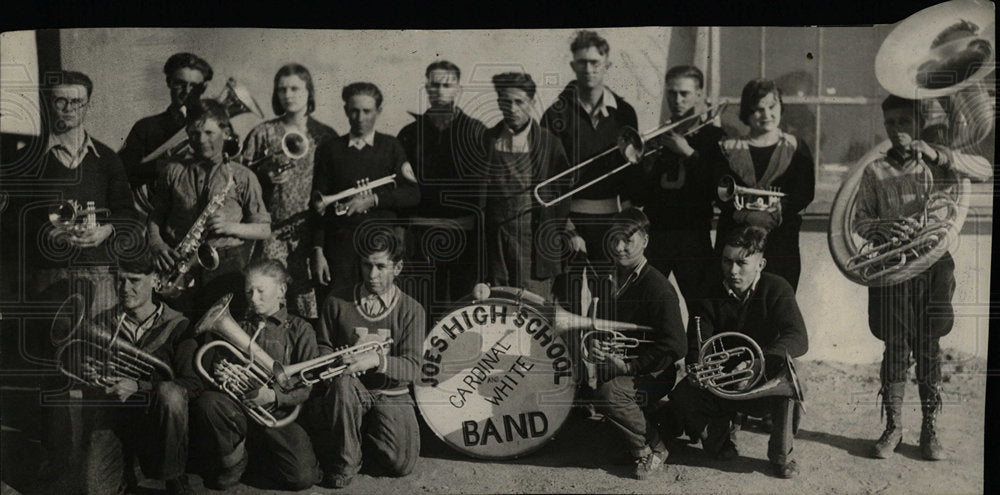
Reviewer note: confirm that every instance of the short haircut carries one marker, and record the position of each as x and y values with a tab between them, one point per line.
443	65
186	60
362	88
893	102
585	39
269	267
302	73
634	218
753	92
206	109
688	71
752	239
68	77
516	80
141	264
381	239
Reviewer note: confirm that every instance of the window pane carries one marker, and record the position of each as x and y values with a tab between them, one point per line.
739	54
848	132
848	59
792	59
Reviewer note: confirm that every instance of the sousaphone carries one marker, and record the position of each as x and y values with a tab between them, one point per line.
938	56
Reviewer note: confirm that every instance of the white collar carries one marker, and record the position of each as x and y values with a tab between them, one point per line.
753	287
632	276
74	145
607	101
359	142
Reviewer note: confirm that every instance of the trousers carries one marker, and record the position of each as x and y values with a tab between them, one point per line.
350	421
688	255
226	436
699	408
153	425
627	403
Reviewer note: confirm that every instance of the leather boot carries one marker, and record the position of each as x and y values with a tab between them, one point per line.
892	437
930	447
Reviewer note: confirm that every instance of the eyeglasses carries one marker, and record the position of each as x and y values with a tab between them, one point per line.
64	104
190	86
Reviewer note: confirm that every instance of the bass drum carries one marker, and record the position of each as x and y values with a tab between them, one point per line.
496	380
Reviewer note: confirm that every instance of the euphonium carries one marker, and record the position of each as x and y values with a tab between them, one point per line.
74	219
193	249
99	359
324	367
320	202
253	367
730	365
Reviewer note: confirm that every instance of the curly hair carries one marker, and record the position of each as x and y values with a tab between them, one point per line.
585	39
752	239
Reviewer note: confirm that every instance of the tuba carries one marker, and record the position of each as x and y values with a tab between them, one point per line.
956	45
731	365
243	367
243	110
100	359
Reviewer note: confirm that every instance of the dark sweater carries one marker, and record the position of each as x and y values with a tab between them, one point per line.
100	179
677	192
339	167
341	324
146	135
444	162
571	125
770	317
167	340
651	300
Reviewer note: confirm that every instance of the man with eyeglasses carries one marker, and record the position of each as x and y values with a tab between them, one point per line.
63	256
187	76
631	384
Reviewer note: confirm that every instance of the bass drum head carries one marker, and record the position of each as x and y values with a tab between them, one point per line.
496	382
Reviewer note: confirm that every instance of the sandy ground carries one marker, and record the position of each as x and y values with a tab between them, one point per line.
840	423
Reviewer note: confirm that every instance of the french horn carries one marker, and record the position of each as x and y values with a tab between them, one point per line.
955	46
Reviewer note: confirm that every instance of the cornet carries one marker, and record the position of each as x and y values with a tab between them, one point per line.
633	147
731	364
322	368
364	186
73	219
294	145
251	370
747	197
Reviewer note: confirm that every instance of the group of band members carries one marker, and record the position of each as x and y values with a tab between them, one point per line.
339	287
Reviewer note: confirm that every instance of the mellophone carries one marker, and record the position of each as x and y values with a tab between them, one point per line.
245	367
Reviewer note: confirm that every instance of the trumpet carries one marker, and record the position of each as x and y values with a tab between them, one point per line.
99	359
747	197
731	365
73	219
323	368
252	370
238	101
294	145
364	186
633	147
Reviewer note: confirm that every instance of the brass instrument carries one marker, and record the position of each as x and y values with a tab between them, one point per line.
320	202
753	199
615	343
250	368
731	365
633	147
193	249
294	145
243	110
324	367
73	219
100	359
955	47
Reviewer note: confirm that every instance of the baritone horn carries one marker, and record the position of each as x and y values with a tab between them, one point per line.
98	358
243	367
731	365
320	202
938	56
244	113
751	198
634	147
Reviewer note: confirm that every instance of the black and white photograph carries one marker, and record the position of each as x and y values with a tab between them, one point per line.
672	257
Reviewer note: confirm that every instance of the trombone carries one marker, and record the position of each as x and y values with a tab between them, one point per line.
633	147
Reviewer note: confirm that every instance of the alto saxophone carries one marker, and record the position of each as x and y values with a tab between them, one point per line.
193	249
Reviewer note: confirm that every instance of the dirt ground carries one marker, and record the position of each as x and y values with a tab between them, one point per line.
841	421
